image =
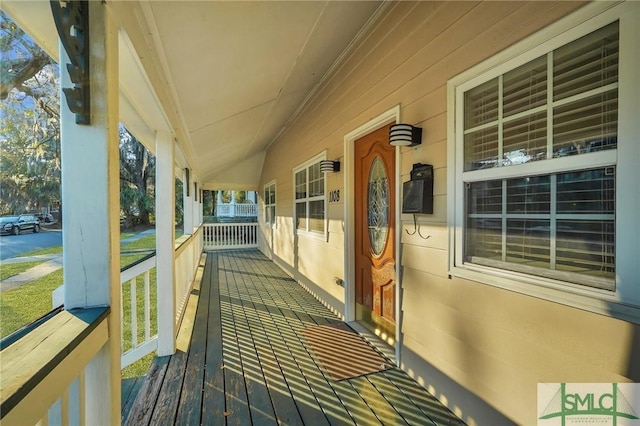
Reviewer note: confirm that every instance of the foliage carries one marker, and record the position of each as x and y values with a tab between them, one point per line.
209	202
30	160
179	202
240	196
30	120
21	59
137	180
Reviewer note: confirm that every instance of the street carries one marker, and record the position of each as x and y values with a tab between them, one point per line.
15	245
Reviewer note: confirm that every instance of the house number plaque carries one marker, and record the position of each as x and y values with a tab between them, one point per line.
334	196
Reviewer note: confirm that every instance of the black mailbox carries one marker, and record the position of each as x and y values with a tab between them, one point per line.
417	194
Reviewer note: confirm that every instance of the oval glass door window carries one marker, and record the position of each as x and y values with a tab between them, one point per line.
378	206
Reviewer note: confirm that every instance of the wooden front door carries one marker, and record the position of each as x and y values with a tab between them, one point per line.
375	255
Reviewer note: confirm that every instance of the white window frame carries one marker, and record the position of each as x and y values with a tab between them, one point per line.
624	302
305	166
267	205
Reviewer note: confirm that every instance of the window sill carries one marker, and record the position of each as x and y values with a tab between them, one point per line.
594	300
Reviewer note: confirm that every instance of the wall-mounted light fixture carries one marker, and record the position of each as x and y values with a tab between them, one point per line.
329	166
405	135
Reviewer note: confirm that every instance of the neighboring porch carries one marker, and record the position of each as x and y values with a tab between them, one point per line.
245	357
237	206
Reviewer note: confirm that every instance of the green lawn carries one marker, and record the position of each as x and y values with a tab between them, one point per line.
147	242
48	250
22	305
141	367
11	269
138	368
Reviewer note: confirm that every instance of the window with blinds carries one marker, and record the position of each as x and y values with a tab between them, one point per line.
309	198
270	203
556	218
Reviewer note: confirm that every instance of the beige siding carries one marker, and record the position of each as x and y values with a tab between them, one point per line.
497	344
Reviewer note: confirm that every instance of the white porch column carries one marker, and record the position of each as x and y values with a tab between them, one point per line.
199	206
165	237
90	196
232	209
187	202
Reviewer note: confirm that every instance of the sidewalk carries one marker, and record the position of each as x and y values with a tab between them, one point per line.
53	263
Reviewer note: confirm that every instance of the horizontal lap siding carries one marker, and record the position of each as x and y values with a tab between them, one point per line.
500	344
495	343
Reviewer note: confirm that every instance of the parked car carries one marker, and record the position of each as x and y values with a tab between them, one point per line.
16	224
46	218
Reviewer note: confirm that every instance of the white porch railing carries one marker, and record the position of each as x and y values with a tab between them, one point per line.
219	236
237	210
49	383
45	373
187	259
138	290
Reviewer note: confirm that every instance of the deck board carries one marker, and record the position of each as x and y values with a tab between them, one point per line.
260	405
145	402
292	379
213	394
130	389
190	407
248	361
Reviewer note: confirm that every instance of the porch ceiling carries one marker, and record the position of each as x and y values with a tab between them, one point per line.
226	76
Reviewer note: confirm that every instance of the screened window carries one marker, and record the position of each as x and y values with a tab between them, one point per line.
309	197
270	203
538	162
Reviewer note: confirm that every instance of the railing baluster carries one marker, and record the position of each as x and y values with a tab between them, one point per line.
134	314
81	399
73	402
55	413
139	346
121	314
230	235
147	307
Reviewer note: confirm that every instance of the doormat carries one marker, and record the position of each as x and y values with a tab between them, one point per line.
343	352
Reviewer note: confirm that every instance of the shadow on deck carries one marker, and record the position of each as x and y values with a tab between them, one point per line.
243	359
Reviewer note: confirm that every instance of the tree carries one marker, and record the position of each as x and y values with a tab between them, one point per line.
137	180
179	202
30	161
209	202
22	58
30	119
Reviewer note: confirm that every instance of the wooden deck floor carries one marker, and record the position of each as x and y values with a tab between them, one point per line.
242	360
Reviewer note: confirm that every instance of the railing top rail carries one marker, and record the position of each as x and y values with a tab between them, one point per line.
19	334
229	224
137	262
31	359
183	242
138	267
